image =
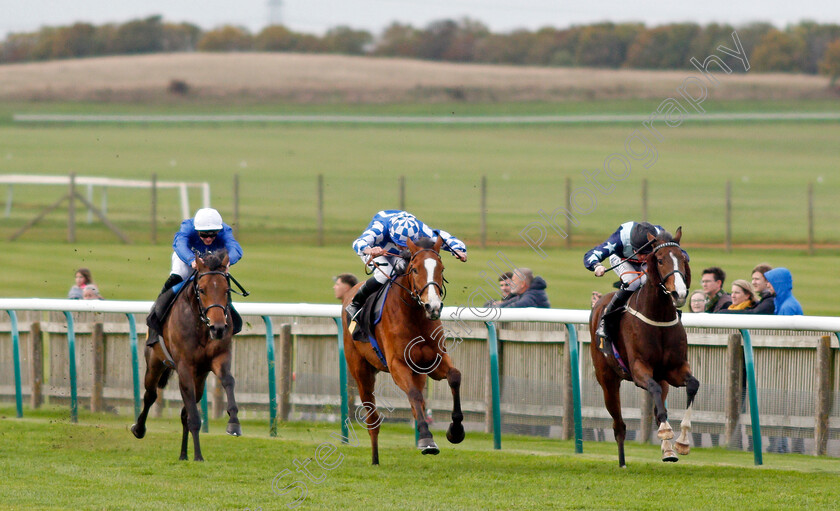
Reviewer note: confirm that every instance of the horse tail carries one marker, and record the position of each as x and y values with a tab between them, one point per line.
164	378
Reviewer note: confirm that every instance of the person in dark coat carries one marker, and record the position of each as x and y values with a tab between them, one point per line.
767	300
530	291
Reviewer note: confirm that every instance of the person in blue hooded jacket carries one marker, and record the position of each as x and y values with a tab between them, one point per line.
781	283
530	291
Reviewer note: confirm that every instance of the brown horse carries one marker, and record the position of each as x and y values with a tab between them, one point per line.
651	341
412	338
197	333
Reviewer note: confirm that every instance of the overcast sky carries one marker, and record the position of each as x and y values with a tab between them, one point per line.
500	15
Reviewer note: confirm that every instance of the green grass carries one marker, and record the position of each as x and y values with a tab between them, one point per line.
300	273
50	463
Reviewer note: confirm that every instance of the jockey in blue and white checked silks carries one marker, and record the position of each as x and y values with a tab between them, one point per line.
385	237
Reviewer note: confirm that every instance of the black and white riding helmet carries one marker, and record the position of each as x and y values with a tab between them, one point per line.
638	236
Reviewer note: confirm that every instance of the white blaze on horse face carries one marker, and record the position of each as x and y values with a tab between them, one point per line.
434	299
679	283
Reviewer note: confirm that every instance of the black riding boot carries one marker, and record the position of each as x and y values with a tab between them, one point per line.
153	320
367	289
616	304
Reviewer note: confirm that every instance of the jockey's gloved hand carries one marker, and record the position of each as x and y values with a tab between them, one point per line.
600	270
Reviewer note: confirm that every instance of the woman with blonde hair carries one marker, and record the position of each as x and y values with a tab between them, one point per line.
743	296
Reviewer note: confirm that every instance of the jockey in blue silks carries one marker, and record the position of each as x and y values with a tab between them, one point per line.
383	240
626	249
204	233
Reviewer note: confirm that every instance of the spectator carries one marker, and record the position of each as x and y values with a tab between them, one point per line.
343	284
595	297
83	278
697	301
780	282
504	290
712	281
91	292
742	295
766	299
530	290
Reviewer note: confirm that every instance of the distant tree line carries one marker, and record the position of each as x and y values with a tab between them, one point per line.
807	47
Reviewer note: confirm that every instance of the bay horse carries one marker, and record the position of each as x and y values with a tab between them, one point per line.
412	340
652	342
198	333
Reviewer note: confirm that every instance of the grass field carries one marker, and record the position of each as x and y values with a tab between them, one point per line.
50	463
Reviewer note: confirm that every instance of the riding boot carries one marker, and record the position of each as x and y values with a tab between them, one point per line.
155	318
616	304
368	288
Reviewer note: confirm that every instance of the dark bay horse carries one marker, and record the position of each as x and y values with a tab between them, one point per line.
197	333
651	341
412	339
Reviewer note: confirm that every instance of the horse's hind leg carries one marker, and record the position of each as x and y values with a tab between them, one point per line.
366	381
154	371
412	384
221	367
455	432
610	384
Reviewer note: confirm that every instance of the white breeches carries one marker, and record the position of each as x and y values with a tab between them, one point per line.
625	272
384	267
179	267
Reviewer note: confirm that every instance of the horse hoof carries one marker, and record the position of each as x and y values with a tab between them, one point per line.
682	449
455	433
183	458
428	446
670	456
137	432
234	429
198	458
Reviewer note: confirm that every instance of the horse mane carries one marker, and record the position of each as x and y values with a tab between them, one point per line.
425	242
215	259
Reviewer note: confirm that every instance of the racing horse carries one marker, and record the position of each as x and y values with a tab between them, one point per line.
197	339
651	341
412	341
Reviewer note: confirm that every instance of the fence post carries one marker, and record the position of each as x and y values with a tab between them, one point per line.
493	347
824	386
71	210
811	218
320	210
272	378
729	216
285	371
218	399
753	394
36	368
568	422
342	381
483	208
154	208
734	386
574	362
135	364
98	386
71	351
16	355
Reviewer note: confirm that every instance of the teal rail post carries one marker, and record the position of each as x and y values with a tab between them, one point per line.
493	347
205	419
272	381
16	355
756	425
135	362
574	367
342	380
71	351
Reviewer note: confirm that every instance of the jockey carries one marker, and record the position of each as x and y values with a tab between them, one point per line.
204	233
383	239
623	249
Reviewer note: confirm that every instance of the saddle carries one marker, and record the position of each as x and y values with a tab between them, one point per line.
369	317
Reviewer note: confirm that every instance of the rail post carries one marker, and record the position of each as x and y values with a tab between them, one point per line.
574	362
135	364
71	353
493	348
16	355
756	425
272	381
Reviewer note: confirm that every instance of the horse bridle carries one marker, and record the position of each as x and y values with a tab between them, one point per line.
416	295
202	311
676	270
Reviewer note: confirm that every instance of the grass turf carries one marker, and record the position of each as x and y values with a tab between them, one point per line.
53	464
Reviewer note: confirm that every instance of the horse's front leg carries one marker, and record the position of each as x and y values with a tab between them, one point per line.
188	384
683	377
412	384
221	368
455	432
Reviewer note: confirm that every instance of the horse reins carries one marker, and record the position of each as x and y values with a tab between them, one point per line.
414	294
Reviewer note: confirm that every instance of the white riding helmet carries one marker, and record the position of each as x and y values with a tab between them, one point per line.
207	219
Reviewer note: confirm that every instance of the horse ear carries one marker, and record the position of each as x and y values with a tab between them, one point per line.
678	234
438	244
199	262
410	244
226	260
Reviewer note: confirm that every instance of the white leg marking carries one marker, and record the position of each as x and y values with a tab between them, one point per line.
665	431
683	447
